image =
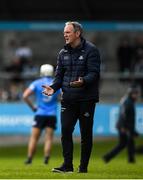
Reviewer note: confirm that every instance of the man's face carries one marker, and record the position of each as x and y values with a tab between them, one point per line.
70	35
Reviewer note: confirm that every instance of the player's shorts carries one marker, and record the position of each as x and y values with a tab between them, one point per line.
42	122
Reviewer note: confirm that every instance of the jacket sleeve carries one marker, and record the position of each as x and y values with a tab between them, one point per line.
59	73
93	66
129	117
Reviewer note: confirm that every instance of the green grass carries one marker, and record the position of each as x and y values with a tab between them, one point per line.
12	166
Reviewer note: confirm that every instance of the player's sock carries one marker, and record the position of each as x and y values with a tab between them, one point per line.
46	160
28	161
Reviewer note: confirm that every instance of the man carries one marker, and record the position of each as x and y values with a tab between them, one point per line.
77	73
126	127
45	113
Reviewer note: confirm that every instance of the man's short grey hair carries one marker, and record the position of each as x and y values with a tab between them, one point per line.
76	25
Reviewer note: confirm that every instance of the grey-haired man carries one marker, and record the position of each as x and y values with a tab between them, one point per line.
77	74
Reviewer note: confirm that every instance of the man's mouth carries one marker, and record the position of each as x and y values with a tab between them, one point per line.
67	39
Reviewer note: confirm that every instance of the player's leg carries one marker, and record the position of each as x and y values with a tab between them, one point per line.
69	115
118	148
49	133
32	144
87	109
49	123
131	149
36	131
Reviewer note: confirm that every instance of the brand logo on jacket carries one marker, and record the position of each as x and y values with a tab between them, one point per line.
86	114
80	57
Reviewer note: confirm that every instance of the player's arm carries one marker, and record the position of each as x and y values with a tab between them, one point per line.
129	116
26	97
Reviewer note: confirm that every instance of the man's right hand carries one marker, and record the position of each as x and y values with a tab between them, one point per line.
123	130
48	91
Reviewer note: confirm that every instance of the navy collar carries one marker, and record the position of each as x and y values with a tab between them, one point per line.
79	47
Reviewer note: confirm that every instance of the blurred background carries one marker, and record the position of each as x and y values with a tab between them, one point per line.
31	34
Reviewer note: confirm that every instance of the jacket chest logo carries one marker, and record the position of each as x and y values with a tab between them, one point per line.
80	57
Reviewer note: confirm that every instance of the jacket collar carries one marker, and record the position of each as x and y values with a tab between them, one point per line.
80	47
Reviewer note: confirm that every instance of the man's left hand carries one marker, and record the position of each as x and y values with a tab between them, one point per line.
78	83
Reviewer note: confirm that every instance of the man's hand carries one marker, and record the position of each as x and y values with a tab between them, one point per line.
136	134
78	83
34	109
48	91
123	130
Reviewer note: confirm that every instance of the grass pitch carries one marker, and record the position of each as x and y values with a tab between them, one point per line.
12	164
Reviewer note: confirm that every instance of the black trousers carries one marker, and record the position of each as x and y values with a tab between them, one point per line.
70	113
125	140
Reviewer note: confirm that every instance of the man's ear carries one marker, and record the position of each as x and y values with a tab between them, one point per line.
77	33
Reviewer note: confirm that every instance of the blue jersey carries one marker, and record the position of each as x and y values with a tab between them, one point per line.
46	105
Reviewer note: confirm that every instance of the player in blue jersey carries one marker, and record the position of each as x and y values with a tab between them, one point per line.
45	112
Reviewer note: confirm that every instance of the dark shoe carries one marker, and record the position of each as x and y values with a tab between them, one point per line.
46	160
82	170
106	159
28	161
132	161
63	169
